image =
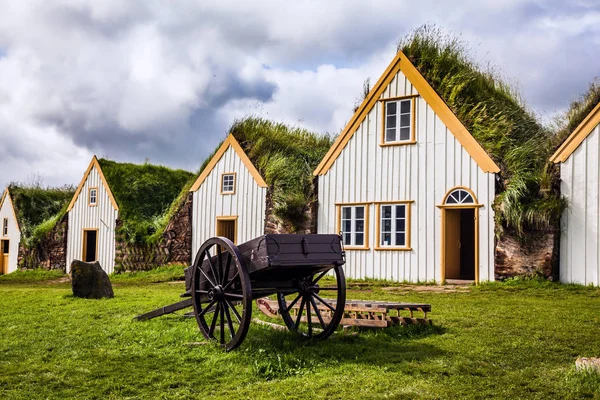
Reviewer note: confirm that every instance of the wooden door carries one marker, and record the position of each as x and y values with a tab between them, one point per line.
4	255
452	244
227	228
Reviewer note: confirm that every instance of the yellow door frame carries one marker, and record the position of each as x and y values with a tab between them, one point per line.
233	218
84	249
443	207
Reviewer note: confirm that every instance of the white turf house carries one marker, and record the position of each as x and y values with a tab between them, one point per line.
409	187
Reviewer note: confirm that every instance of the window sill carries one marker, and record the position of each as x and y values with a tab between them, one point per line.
356	248
409	142
391	248
93	205
227	193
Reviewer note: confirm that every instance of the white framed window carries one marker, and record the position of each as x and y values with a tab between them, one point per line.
93	196
5	227
459	196
394	226
398	121
228	183
353	225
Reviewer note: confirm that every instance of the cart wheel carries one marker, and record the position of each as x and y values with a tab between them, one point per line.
321	316
221	287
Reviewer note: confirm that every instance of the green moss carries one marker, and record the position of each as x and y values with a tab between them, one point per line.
494	114
143	193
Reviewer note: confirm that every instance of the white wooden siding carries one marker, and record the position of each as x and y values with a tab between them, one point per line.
423	172
248	203
102	217
13	236
579	241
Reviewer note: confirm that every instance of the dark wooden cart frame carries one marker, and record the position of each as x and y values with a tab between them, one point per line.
224	280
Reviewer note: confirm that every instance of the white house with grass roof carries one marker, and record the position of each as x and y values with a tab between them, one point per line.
409	187
229	197
10	236
92	217
579	159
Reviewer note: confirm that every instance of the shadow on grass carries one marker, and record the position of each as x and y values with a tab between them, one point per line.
278	354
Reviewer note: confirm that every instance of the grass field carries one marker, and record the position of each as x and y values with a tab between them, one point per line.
512	340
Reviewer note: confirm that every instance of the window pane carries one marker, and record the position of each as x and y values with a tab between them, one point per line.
405	106
400	211
390	122
390	108
360	212
346	212
451	200
387	239
404	133
468	199
390	135
347	238
387	225
347	226
360	225
405	120
400	225
386	211
400	239
359	239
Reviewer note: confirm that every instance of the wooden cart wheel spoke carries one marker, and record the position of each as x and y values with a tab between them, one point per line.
326	304
202	291
234	310
287	310
222	325
220	263
229	323
332	288
297	324
237	274
205	309
206	276
322	274
227	266
234	295
212	266
308	316
318	312
211	331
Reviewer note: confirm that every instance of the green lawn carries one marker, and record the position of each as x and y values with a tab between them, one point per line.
510	340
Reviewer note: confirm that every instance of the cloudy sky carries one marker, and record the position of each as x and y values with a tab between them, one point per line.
163	80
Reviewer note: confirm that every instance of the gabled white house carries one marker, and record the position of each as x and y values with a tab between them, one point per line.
409	187
229	198
92	216
580	184
10	235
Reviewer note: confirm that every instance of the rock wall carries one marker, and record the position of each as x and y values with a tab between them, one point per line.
535	256
175	246
50	252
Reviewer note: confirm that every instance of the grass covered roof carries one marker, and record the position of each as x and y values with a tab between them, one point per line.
143	193
38	208
495	115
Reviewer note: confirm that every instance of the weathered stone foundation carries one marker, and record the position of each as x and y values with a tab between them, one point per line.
50	252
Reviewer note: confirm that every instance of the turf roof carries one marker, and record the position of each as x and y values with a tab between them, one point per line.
38	208
143	193
494	114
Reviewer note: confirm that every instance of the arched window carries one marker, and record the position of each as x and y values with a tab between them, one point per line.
459	196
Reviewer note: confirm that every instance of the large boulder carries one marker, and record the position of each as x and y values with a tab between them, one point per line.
88	280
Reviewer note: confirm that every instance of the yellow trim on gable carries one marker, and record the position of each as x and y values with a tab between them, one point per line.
230	141
402	63
93	163
577	136
12	206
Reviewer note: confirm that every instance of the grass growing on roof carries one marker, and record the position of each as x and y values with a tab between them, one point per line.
285	156
38	208
495	115
143	193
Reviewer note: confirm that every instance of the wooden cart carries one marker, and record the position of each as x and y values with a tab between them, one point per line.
224	280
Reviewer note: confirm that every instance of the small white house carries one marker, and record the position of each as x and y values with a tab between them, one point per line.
580	184
92	216
409	187
10	235
229	198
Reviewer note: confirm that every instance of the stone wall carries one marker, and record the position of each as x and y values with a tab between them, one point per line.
50	252
535	256
174	247
274	225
